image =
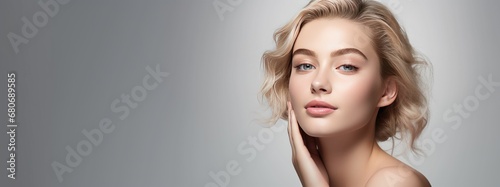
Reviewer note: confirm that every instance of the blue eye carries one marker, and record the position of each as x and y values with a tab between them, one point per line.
304	67
347	67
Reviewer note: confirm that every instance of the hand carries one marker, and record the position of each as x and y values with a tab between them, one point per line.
305	155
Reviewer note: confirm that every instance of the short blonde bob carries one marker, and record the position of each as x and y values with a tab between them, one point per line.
407	115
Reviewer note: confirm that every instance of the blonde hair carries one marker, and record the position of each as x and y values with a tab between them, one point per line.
407	115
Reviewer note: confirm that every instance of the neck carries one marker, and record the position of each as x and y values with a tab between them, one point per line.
347	156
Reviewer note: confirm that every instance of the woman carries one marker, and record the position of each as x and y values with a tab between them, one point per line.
345	77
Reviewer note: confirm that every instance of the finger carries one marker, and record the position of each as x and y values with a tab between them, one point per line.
298	142
289	129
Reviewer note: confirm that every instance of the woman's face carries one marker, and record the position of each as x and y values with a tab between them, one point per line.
335	64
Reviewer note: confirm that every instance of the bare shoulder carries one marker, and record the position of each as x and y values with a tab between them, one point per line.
398	176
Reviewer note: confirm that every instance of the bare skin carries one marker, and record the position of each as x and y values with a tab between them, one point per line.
333	63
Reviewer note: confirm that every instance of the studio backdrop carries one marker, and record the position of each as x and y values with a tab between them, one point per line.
165	92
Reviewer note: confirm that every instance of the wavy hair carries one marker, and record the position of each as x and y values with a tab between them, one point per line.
407	115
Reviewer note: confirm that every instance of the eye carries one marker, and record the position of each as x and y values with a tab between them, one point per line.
304	67
348	68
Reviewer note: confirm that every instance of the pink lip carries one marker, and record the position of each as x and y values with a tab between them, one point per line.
318	112
317	108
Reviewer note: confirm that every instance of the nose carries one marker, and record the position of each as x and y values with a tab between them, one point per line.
321	84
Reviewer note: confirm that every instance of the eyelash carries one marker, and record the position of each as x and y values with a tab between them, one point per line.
298	67
354	68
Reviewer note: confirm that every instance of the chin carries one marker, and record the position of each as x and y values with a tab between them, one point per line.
320	127
327	127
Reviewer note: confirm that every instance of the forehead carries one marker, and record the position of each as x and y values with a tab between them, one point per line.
325	35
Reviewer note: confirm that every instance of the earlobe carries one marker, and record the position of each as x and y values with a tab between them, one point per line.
390	92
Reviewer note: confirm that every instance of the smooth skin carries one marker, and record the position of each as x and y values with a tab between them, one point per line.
334	62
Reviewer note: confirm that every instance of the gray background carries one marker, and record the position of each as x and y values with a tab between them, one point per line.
91	52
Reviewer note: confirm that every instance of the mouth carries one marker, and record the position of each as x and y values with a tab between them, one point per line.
317	108
320	104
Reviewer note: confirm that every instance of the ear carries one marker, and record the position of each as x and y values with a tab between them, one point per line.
390	92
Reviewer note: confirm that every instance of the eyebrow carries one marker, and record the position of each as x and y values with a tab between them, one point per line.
335	53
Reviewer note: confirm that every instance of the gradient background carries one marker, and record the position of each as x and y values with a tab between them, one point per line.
91	52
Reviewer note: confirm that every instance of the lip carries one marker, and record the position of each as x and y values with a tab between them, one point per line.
318	108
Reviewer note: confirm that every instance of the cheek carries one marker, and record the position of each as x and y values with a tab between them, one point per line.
363	91
298	88
360	97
